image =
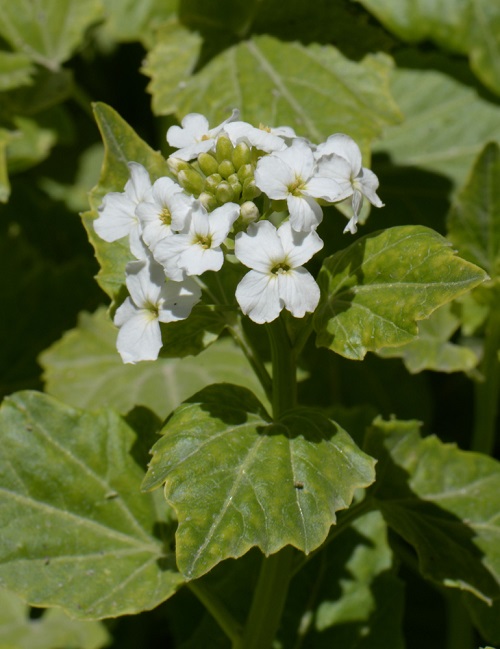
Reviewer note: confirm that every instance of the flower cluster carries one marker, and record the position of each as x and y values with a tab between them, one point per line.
252	191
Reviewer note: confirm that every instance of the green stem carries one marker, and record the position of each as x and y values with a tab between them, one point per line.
460	632
218	611
276	571
487	391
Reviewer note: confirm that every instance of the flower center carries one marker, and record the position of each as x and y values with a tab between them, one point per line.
280	268
166	216
296	187
153	310
203	241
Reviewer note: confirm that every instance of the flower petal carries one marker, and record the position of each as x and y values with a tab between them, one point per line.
299	247
298	291
258	296
139	338
177	300
259	247
139	184
305	213
343	146
273	177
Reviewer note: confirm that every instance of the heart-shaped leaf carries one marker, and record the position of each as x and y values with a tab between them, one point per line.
237	480
76	531
375	291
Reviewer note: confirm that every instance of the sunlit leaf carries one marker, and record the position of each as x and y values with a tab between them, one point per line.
47	31
444	502
54	629
76	531
84	369
375	291
238	480
314	89
432	349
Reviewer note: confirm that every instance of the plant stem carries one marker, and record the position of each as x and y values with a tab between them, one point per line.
276	571
218	611
487	391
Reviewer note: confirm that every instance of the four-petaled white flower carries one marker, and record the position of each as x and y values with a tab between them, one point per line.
153	299
294	175
197	250
117	217
277	279
165	209
194	135
340	157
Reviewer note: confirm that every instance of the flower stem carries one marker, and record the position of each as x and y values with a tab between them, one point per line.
217	609
487	391
276	571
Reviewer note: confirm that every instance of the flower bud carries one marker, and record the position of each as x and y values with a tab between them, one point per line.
245	171
249	212
191	181
208	201
208	164
212	182
176	164
235	184
241	155
223	149
224	193
250	190
226	168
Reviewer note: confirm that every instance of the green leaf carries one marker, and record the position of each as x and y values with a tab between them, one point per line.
121	145
6	138
237	480
474	220
54	629
31	145
129	20
266	79
47	31
446	123
374	291
15	70
76	531
84	370
444	502
431	350
357	601
466	26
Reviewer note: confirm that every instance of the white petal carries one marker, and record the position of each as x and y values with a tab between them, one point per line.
124	312
300	158
257	137
258	296
116	217
177	300
196	259
221	220
325	188
139	184
299	292
259	247
144	280
299	247
194	126
139	338
168	252
273	177
305	213
192	151
369	184
343	146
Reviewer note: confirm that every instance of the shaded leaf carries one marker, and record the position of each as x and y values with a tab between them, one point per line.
314	89
76	531
128	20
474	220
47	31
32	144
444	502
375	291
15	70
432	349
54	629
446	122
84	369
237	480
121	145
5	139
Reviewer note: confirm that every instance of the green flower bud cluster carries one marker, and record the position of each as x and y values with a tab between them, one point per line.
223	176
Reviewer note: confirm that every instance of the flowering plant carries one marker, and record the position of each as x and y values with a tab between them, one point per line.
203	458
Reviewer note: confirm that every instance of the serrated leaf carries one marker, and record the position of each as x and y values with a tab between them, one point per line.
314	89
444	502
238	480
84	370
54	629
375	291
121	145
466	26
16	70
76	531
432	349
474	220
446	123
47	31
128	20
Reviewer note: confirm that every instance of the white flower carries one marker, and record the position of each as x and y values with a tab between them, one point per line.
340	157
165	210
153	299
117	217
198	250
277	279
264	139
293	175
195	136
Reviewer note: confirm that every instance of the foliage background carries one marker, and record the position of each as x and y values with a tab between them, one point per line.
417	84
